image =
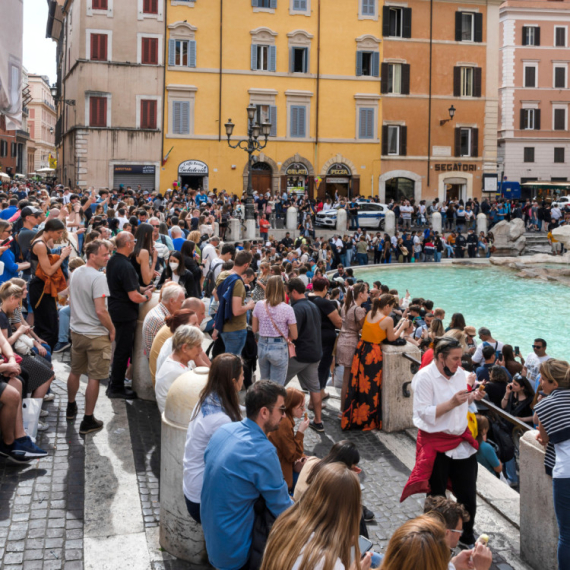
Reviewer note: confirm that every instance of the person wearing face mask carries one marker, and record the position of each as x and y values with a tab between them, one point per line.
176	272
446	450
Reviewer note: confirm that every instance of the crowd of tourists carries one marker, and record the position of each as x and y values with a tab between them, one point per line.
76	268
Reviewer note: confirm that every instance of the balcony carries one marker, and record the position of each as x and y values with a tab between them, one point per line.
22	134
48	104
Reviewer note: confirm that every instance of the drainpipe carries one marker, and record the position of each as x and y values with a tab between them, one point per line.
429	100
220	87
316	157
164	93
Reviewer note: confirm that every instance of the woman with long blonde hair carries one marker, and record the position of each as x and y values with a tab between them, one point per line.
276	324
321	529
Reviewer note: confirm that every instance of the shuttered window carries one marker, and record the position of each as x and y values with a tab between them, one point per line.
148	113
149	49
99	47
530	75
368	63
264	3
396	22
368	7
99	5
394	140
267	113
530	36
468	27
263	58
467	81
560	77
298	126
466	142
150	6
181	117
528	153
97	111
560	37
182	53
530	119
395	78
366	123
299	60
559	154
559	119
299	5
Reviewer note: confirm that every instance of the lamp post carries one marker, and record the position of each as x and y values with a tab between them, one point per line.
250	145
451	114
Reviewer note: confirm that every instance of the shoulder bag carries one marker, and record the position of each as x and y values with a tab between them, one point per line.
290	345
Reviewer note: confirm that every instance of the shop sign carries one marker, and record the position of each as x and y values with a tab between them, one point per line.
134	169
337	180
455	167
193	167
339	169
297	169
490	182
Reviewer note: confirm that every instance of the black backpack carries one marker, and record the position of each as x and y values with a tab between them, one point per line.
503	440
210	280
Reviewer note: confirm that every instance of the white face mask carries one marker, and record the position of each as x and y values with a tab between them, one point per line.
173	266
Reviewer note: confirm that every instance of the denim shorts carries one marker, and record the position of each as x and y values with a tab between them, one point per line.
273	358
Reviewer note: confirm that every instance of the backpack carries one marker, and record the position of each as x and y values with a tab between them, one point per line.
498	353
503	440
210	280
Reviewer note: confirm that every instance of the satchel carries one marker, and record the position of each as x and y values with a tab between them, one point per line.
290	345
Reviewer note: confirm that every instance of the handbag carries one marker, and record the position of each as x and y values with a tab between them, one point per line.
290	345
24	345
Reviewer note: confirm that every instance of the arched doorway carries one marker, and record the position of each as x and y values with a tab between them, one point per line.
400	188
261	175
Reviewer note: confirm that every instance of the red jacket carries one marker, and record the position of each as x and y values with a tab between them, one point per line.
427	447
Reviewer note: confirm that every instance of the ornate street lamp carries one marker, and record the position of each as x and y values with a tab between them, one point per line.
451	114
53	91
251	145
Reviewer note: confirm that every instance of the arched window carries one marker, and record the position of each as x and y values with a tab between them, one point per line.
399	189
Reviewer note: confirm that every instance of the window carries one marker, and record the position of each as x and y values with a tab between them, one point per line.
394	140
559	154
368	7
531	36
560	37
267	113
298	121
300	6
299	60
14	150
366	123
148	114
530	73
528	152
368	63
395	78
182	53
181	117
3	148
468	27
99	5
150	6
530	119
97	111
99	47
467	81
560	77
149	54
395	21
466	141
263	58
264	3
560	119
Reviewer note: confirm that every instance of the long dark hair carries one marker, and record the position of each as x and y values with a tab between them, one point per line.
143	235
343	451
53	225
181	265
225	368
457	321
187	249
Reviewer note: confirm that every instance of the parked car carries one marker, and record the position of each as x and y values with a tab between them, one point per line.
370	215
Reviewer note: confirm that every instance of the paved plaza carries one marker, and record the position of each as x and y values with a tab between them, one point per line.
94	502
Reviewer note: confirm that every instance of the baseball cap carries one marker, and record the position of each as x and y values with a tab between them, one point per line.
30	211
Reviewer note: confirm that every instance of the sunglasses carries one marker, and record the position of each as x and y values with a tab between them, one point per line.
282	409
537	346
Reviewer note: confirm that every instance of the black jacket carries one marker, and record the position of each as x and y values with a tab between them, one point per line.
186	281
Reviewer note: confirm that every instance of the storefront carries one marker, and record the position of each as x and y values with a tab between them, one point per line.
339	180
194	174
134	174
297	178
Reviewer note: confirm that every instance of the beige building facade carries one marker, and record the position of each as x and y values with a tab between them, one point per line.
534	135
110	87
41	123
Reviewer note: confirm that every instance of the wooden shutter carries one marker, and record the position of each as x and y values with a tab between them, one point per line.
384	140
171	52
181	117
384	78
273	120
536	36
385	21
474	142
192	53
298	121
99	5
523	122
254	57
403	151
537	119
255	3
524	36
358	63
477	82
407	23
375	64
458	26
405	86
457	141
150	51
97	111
366	124
148	114
273	3
272	58
306	67
99	47
478	27
457	81
150	6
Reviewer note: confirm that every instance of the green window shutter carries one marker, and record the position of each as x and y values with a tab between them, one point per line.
358	63
273	120
375	64
171	52
253	57
272	58
273	4
366	123
255	3
192	53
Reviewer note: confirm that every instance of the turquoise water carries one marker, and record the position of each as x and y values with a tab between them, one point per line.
516	310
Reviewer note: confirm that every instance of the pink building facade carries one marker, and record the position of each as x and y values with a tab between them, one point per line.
534	94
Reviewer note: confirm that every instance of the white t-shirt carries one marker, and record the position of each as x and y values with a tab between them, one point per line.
406	212
532	365
165	377
478	356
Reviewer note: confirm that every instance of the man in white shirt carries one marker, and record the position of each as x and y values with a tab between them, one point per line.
533	361
406	211
209	253
441	403
487	339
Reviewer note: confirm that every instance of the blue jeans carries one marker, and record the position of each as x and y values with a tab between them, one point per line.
348	257
437	256
64	317
234	341
273	357
561	490
511	470
48	352
362	258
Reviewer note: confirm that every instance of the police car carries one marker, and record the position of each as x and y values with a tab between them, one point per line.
370	215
